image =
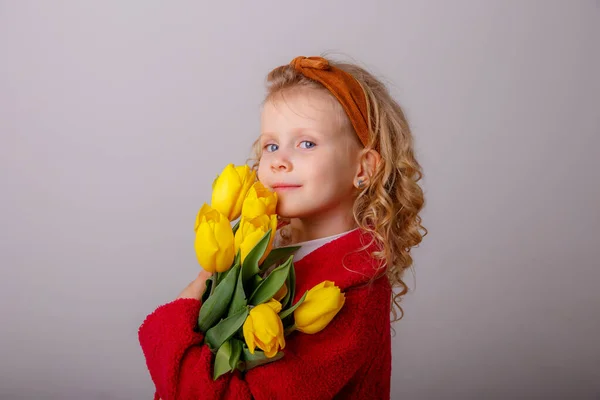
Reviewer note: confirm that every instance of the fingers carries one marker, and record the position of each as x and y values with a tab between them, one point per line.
196	288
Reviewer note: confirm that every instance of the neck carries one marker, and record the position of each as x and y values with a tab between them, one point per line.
304	229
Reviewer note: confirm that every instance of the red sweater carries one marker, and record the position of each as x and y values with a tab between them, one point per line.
350	358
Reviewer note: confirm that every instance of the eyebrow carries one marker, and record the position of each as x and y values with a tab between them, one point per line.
296	132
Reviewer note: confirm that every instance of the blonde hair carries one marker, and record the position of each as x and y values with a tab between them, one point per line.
388	208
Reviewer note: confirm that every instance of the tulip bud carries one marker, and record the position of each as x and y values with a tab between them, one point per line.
230	189
214	242
250	232
259	201
263	329
322	303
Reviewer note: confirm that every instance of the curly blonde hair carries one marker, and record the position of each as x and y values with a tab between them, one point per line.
388	208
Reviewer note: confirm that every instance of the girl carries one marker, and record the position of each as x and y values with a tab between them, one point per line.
339	153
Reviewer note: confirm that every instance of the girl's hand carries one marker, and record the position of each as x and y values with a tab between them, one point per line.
196	288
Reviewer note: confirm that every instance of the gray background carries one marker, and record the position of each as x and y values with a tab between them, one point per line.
115	117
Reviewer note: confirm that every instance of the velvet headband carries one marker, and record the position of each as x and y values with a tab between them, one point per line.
343	86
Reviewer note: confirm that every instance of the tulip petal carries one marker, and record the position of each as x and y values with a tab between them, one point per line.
267	328
206	247
273	227
248	330
259	201
321	305
203	211
250	241
226	190
247	177
224	236
275	305
271	352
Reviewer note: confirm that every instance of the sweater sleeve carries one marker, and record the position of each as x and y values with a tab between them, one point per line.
314	366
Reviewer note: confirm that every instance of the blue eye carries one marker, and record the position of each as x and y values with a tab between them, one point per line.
309	146
269	147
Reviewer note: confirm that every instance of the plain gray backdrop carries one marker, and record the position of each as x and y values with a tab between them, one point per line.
116	116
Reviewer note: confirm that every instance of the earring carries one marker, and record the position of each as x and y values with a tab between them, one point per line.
359	184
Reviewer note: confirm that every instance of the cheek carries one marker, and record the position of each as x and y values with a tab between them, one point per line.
262	165
326	168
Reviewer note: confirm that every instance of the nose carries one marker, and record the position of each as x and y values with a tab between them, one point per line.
281	163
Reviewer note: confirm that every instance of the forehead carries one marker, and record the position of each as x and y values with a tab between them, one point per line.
302	108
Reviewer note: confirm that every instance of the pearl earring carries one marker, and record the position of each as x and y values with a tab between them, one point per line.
359	184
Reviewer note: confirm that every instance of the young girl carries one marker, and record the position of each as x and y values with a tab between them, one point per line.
338	151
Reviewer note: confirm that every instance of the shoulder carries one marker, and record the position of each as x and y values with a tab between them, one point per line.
347	261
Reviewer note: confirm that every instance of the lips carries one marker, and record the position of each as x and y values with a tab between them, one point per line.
284	186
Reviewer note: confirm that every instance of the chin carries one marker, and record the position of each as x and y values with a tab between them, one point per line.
289	210
294	212
283	213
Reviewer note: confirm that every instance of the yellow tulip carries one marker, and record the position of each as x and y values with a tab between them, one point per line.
263	328
214	242
251	230
230	189
259	201
321	304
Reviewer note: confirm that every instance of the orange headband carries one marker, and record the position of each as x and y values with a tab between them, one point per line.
343	86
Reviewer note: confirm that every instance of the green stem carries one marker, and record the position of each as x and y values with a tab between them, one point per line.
213	278
289	330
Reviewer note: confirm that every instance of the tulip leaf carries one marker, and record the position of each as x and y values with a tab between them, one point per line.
239	299
290	310
291	294
222	275
257	359
236	226
278	255
250	265
271	284
236	353
216	305
209	283
254	283
225	329
222	360
238	258
291	284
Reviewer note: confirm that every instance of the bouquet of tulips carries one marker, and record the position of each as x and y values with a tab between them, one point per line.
247	307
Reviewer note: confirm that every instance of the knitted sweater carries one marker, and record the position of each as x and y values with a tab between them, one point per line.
350	358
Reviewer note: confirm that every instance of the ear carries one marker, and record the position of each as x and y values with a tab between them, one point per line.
368	162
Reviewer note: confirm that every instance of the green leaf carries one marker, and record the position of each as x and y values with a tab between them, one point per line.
222	360
239	299
292	285
225	329
253	283
250	265
290	310
289	298
209	283
236	353
222	275
278	255
271	284
258	358
216	305
236	226
289	330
